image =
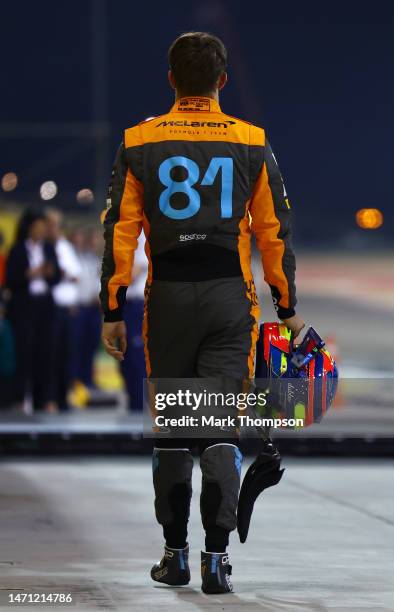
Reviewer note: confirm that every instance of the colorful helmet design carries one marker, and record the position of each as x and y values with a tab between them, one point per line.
301	380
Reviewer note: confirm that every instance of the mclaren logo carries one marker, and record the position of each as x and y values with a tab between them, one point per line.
196	124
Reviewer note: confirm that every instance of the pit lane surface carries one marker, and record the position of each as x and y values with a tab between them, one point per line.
320	541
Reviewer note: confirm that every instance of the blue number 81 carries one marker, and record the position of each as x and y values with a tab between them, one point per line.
186	186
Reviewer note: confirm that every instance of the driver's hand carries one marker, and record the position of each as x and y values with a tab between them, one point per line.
295	324
114	339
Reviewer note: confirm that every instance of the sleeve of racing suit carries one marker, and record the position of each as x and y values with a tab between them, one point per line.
271	224
122	226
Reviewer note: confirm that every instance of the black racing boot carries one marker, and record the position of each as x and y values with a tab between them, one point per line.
215	573
173	569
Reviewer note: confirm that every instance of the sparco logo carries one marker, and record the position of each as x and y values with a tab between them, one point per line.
183	237
185	123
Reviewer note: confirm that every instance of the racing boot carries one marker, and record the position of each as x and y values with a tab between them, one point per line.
173	569
215	573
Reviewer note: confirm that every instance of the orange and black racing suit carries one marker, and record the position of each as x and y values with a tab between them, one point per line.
199	183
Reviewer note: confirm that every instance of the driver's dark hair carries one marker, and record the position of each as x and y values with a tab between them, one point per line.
197	59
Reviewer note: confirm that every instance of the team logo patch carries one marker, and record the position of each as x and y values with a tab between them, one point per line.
194	104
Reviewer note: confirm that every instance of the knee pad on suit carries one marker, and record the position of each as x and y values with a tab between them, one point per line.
221	474
172	481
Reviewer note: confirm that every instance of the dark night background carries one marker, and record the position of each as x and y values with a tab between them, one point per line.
320	80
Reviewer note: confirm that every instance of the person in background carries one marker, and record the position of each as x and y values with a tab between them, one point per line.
7	357
88	324
32	270
65	295
133	366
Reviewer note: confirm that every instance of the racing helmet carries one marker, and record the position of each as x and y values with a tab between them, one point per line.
301	380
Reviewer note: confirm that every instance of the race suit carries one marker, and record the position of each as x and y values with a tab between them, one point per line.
199	183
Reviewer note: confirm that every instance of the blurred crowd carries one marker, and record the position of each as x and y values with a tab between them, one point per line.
50	318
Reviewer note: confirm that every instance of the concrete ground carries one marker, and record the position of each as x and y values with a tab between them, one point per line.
321	540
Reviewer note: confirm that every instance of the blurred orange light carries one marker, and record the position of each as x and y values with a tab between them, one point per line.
85	196
9	181
369	218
